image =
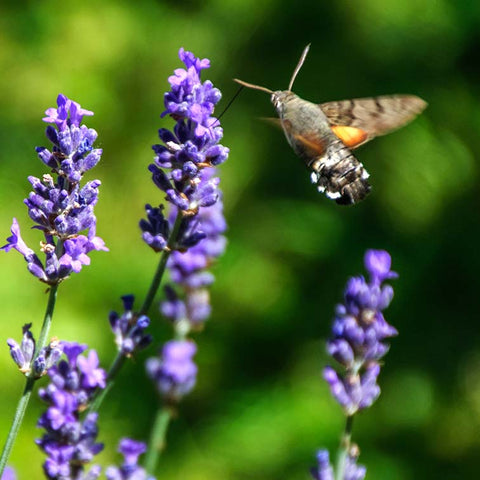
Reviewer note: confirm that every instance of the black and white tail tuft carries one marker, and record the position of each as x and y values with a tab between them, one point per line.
340	175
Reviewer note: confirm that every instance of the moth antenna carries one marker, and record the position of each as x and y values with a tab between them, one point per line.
299	66
255	87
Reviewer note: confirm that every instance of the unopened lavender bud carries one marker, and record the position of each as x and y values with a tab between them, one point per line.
46	358
22	354
39	365
28	342
17	356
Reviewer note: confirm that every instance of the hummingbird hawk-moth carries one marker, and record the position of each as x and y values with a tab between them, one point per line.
323	135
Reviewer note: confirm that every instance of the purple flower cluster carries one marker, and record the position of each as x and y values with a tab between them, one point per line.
359	333
351	471
58	205
184	163
70	442
129	328
130	470
23	354
174	373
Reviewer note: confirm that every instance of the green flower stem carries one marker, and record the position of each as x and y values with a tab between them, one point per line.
119	360
27	391
345	445
158	437
99	395
152	291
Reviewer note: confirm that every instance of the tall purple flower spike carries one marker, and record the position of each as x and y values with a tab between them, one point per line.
58	205
184	163
185	170
358	344
359	334
69	441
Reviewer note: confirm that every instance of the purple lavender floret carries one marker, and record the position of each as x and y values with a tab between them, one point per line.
129	470
359	334
129	328
352	471
22	354
69	442
323	470
9	474
60	207
184	163
174	372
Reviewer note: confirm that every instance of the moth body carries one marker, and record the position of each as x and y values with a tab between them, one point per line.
335	170
323	135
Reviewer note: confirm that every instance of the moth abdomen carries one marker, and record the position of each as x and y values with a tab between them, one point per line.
340	175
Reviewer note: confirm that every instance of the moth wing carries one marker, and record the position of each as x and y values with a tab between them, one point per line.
359	120
276	122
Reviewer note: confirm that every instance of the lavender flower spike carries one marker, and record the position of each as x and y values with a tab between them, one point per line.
359	333
58	205
69	442
184	163
130	470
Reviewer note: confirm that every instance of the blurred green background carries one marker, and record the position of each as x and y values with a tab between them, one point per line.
261	409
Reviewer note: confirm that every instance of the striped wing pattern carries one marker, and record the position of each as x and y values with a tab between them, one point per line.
376	115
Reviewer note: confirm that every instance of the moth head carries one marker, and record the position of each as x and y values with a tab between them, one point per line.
279	99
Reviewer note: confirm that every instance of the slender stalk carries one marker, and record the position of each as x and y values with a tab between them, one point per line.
27	391
345	445
158	435
99	395
157	278
119	360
